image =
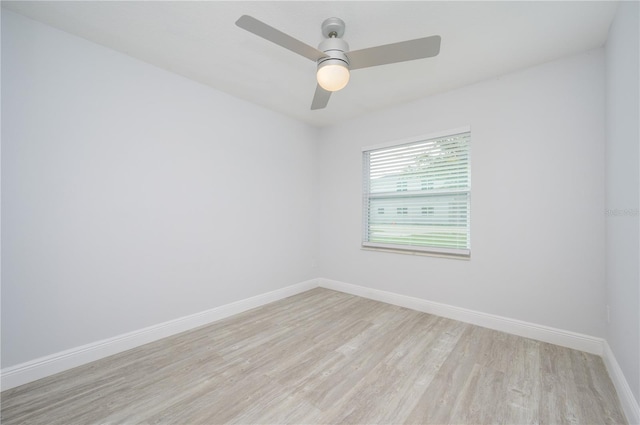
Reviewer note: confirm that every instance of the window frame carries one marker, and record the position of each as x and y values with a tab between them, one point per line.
407	248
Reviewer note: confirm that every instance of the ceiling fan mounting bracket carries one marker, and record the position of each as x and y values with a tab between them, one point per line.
333	28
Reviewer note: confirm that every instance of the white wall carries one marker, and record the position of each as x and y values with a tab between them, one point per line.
132	196
623	187
537	197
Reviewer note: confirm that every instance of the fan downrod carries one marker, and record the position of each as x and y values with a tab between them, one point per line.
333	28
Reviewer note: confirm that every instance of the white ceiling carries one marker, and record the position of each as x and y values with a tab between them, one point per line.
199	40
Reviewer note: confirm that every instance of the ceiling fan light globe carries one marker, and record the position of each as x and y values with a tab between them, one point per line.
333	77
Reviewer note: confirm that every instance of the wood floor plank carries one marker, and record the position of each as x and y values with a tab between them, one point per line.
414	362
558	401
441	399
523	383
482	397
601	388
327	357
292	410
361	355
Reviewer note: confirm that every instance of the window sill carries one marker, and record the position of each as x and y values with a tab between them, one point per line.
418	253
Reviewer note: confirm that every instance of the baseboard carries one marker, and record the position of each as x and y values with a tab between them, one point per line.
45	366
627	400
542	333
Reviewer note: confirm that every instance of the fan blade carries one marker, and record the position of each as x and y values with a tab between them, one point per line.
267	32
419	48
320	98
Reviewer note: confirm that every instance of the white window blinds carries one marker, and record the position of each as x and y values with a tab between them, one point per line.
416	196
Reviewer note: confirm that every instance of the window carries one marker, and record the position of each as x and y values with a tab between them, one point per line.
427	182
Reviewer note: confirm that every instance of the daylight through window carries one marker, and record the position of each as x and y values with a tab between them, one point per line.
427	183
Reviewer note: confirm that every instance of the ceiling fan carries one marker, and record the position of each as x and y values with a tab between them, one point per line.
333	56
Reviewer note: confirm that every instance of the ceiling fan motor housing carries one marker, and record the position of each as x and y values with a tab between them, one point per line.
334	48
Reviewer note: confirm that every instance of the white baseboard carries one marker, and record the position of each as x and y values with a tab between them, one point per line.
542	333
45	366
627	400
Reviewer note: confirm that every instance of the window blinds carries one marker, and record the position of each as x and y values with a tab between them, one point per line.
416	196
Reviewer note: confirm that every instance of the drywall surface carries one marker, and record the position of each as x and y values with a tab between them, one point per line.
537	172
132	196
622	188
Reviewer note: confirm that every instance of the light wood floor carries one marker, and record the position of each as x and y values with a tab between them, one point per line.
328	357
